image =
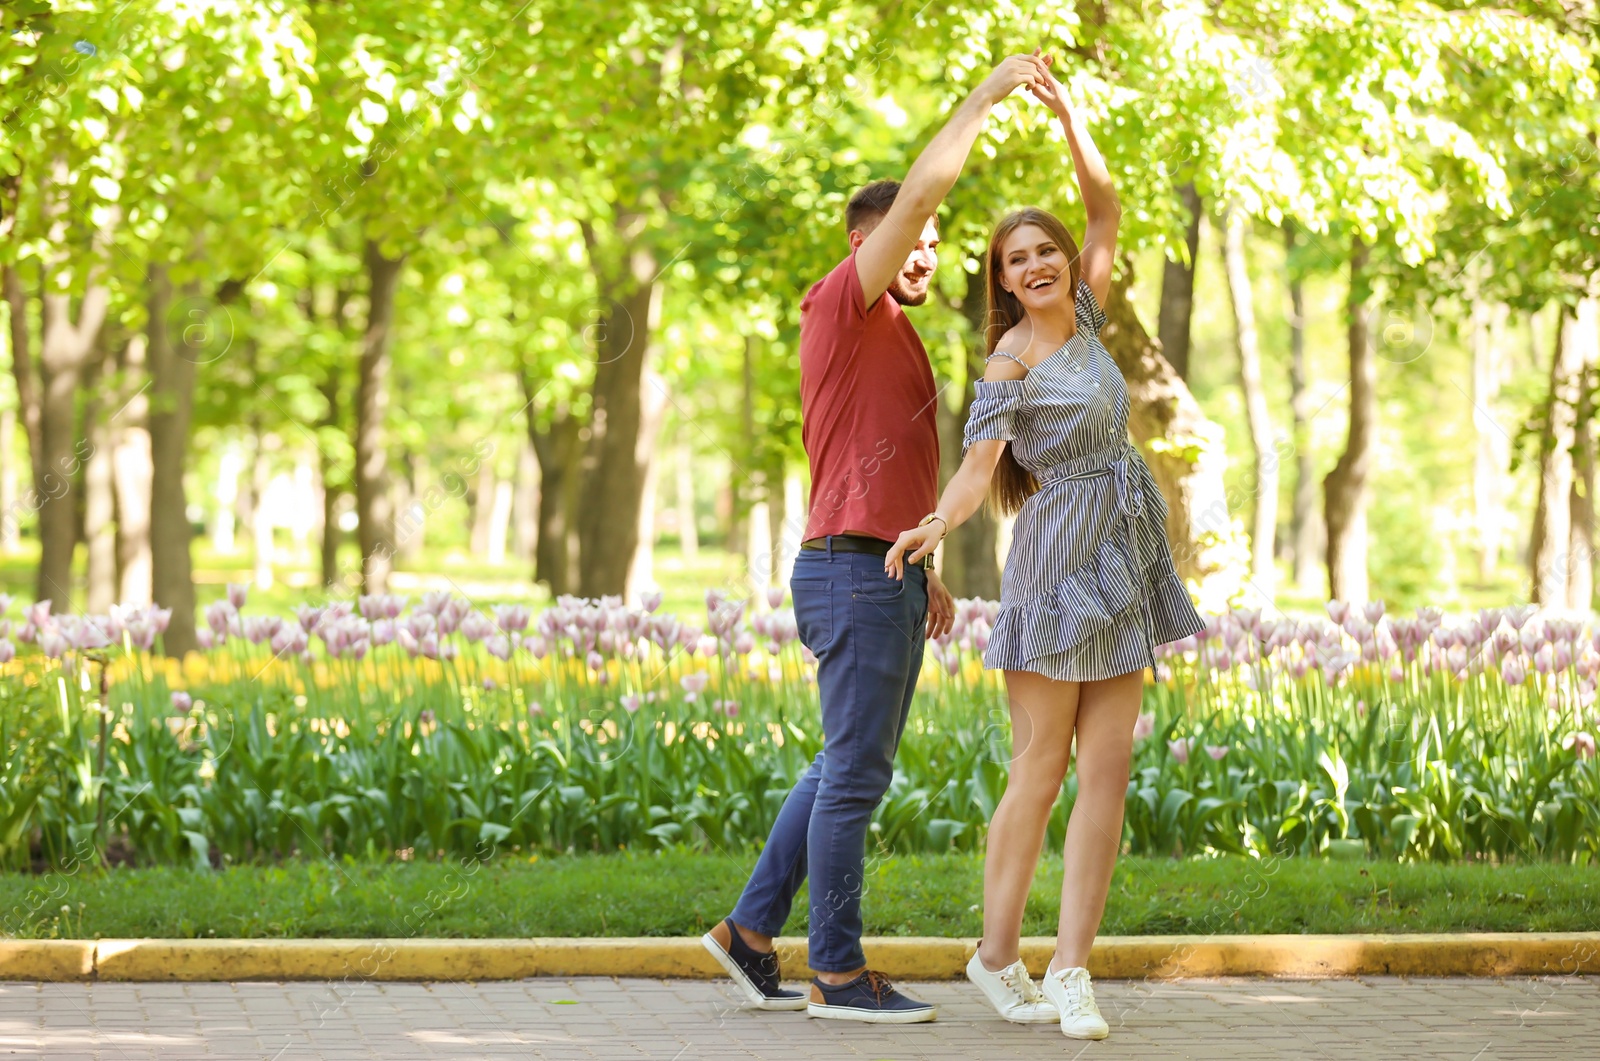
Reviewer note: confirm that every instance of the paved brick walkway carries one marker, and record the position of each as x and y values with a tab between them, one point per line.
1236	1020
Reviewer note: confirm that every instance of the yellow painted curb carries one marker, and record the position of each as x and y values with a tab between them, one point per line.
909	958
46	959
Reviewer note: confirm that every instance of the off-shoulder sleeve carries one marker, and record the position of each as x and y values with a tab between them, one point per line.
992	411
1088	309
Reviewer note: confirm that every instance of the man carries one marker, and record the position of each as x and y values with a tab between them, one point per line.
868	403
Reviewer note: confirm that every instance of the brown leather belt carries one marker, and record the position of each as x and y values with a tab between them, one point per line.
855	543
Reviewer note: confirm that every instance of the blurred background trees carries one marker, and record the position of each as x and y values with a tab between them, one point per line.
503	298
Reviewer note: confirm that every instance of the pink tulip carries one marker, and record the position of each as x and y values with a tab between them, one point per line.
220	616
53	645
207	640
693	685
498	646
1180	748
630	703
1397	673
7	652
650	601
1216	751
596	661
237	591
182	702
744	643
1544	659
1144	725
729	707
1582	742
1519	616
1337	610
536	646
38	615
511	616
475	626
5	603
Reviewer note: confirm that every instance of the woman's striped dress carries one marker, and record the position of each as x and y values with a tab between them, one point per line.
1089	587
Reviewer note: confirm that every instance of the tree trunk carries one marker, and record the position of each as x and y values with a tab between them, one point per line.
99	492
172	378
1305	530
482	509
1177	290
969	562
1580	568
615	462
556	554
65	347
499	521
328	551
1264	520
225	522
1344	500
411	510
1550	556
9	502
23	371
688	533
373	504
1492	457
526	503
641	568
131	473
1184	450
794	523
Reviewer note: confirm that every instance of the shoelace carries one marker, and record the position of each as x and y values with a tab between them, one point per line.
1080	995
879	985
1017	979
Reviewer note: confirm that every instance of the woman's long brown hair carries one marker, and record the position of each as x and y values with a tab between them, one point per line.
1013	484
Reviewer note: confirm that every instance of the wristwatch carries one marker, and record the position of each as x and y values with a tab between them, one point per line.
930	517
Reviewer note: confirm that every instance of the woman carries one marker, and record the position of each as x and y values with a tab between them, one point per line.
1089	587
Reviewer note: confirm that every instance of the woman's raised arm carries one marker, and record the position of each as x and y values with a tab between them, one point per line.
1100	205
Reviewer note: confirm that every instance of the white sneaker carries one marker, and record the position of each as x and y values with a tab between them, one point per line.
1012	992
1069	990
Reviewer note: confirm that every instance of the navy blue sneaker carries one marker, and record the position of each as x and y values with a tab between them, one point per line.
756	973
869	997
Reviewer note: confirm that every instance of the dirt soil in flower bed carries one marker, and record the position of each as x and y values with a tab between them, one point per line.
681	894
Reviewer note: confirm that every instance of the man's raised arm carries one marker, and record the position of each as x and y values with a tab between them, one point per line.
884	252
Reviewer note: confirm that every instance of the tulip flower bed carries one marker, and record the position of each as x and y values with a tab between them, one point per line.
385	730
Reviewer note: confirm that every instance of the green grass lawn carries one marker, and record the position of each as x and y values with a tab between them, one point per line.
681	894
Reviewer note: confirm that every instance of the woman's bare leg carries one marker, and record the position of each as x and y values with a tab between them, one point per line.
1042	713
1106	713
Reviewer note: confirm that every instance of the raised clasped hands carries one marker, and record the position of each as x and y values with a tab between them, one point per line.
1047	90
1015	71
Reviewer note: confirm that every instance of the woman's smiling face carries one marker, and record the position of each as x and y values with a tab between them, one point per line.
1034	267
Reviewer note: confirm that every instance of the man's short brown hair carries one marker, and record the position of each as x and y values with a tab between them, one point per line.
870	205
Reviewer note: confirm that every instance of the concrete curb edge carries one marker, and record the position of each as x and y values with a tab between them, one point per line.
910	958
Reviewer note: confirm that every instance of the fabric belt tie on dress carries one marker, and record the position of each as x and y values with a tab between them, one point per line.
1130	505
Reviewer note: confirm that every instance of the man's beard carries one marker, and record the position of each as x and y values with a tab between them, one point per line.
900	291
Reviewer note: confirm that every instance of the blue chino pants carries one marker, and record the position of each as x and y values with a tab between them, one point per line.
867	631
